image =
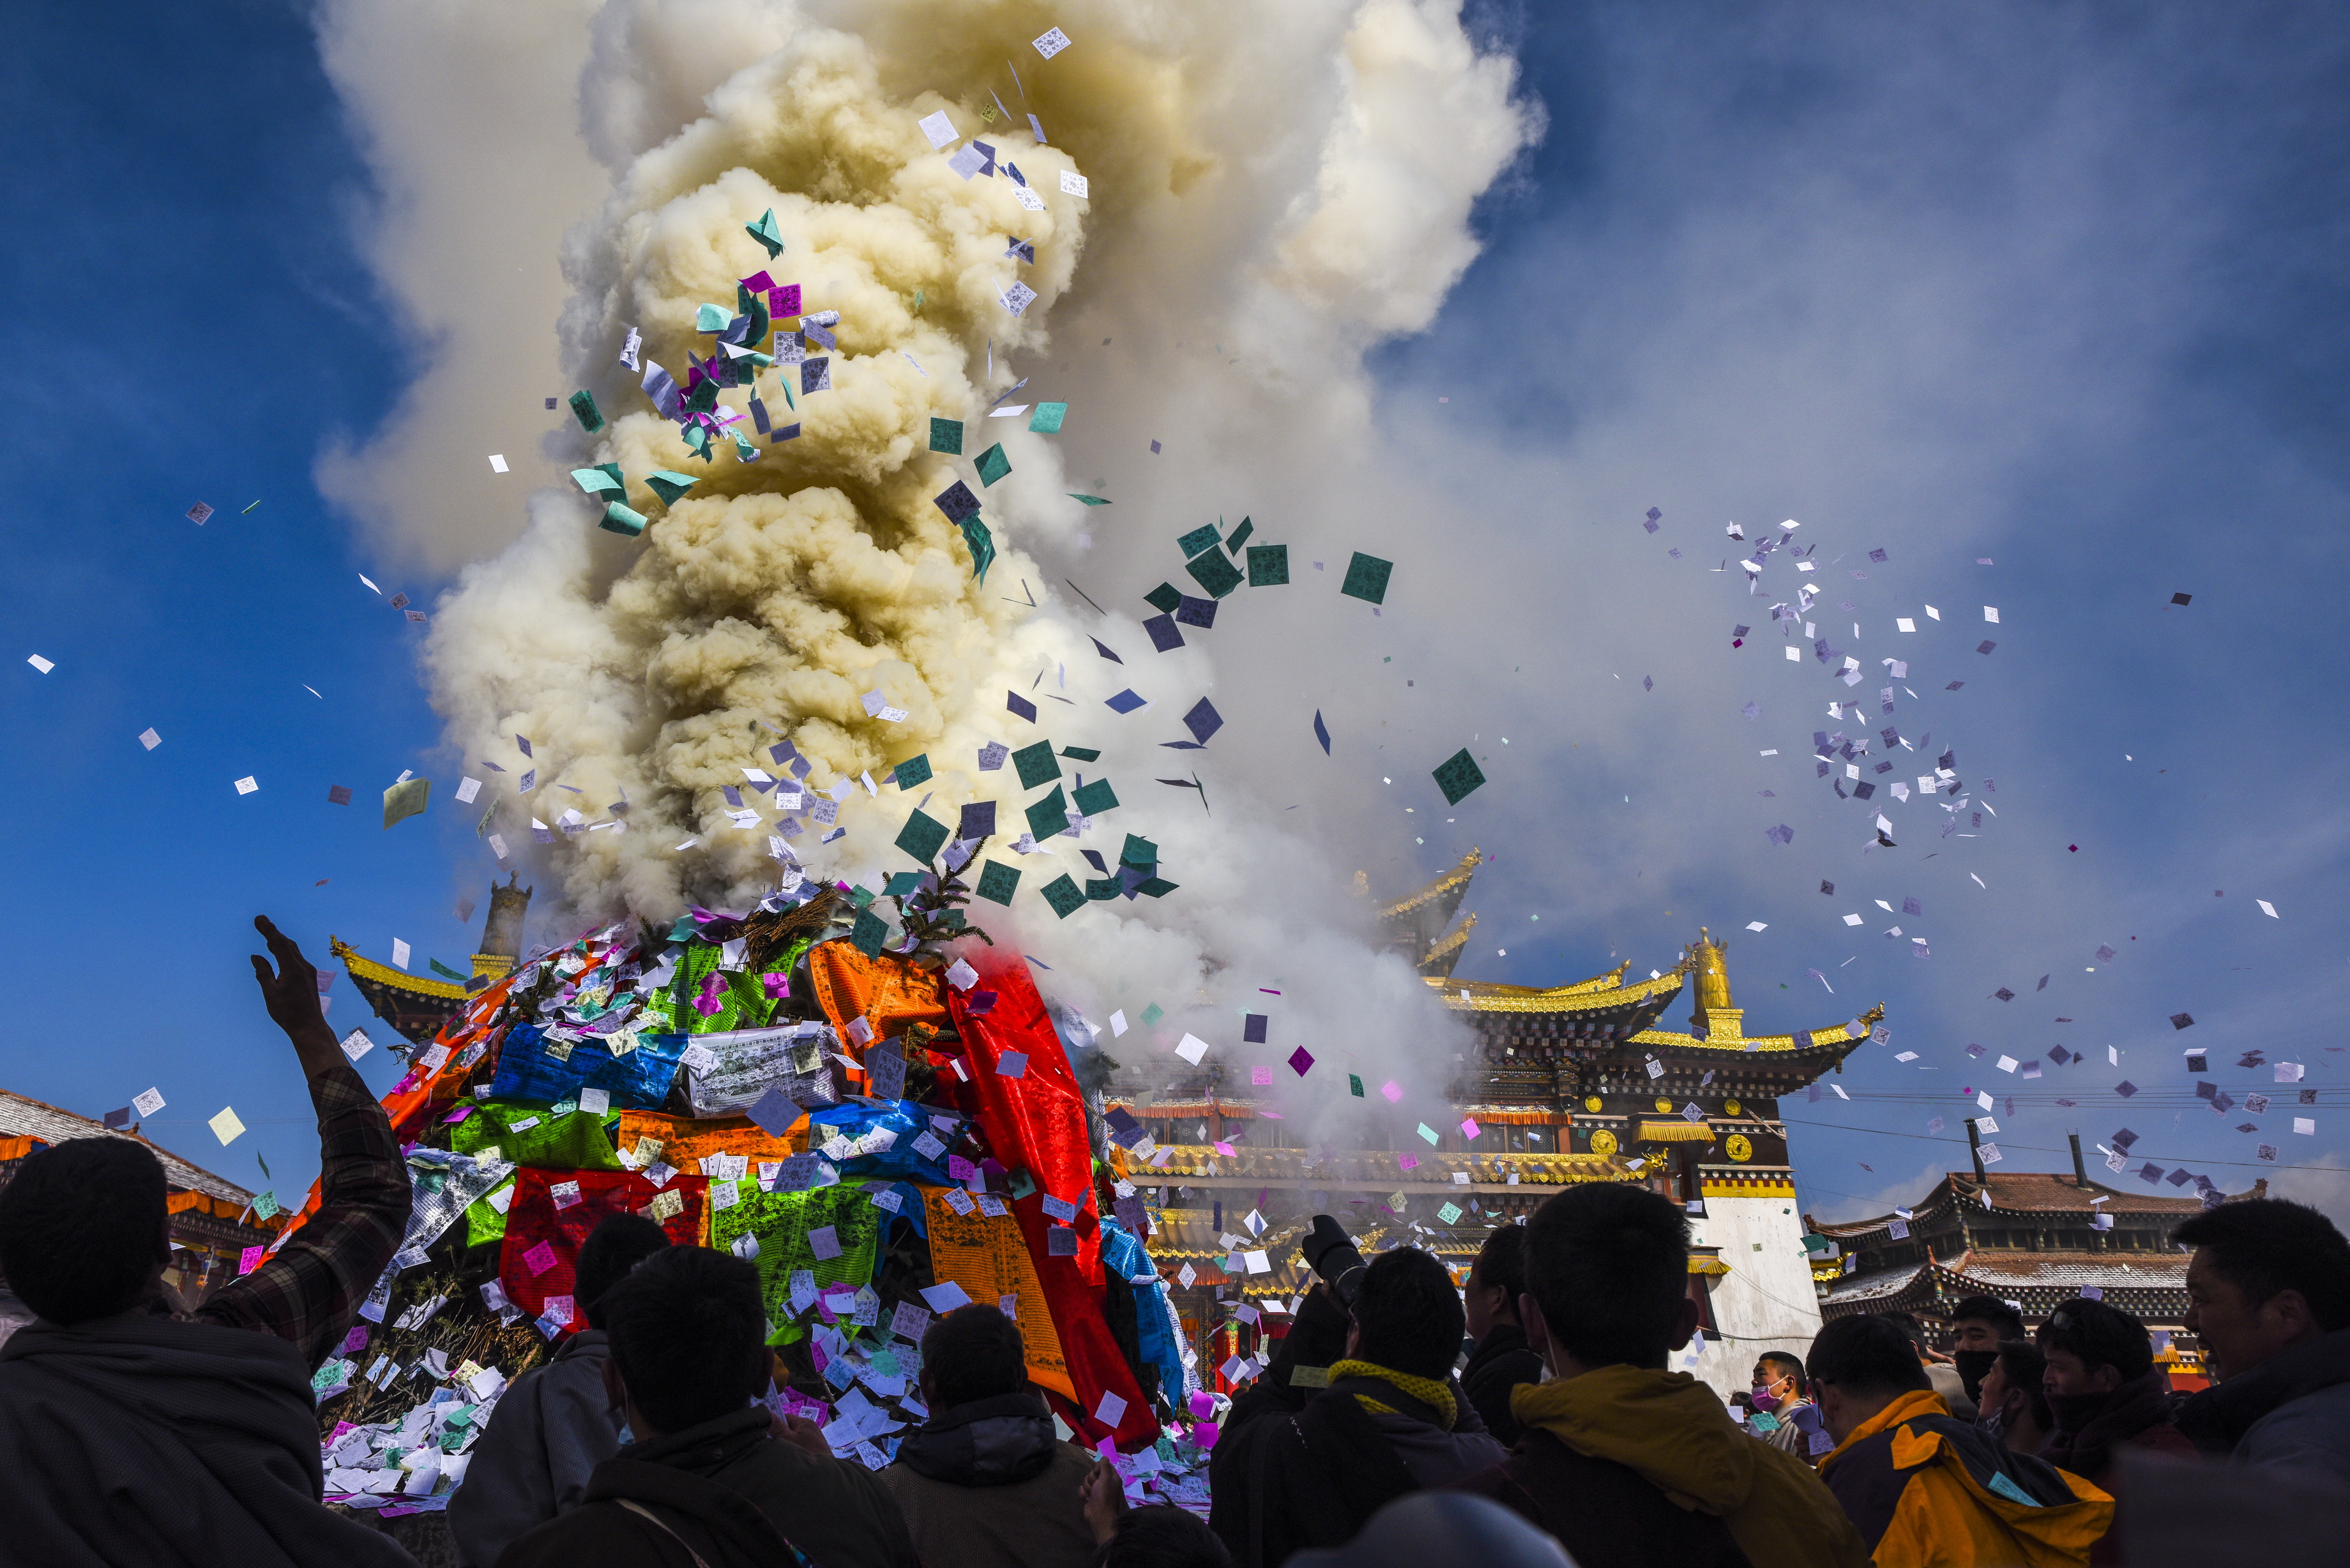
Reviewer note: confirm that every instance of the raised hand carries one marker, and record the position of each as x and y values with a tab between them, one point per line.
291	994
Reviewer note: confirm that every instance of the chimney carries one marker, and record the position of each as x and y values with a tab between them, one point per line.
2080	1171
1974	1148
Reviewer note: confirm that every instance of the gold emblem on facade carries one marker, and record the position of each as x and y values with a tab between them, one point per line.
1731	1107
1603	1142
1591	1102
1739	1146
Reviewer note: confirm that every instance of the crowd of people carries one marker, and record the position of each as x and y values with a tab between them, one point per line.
135	1432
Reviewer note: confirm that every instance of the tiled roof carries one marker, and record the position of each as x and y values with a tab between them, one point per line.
2145	1271
2022	1192
23	1117
2004	1271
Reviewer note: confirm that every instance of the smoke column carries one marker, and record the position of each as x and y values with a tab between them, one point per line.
1296	183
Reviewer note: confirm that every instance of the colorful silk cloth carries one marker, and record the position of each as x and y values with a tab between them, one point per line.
988	1257
574	1141
781	1222
537	1070
888	992
1038	1121
540	1256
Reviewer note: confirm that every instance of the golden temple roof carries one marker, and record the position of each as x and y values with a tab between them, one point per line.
366	969
1834	1035
1601	993
1457	877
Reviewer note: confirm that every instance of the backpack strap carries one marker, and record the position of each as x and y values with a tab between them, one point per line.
643	1513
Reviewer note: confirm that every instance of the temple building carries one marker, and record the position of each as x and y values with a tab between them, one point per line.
1585	1082
212	1218
417	1007
2030	1238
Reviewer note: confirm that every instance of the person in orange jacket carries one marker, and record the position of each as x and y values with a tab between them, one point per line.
1925	1489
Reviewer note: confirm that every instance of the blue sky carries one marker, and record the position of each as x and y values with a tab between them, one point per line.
2057	288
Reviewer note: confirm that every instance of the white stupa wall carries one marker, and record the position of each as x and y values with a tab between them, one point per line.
1767	1301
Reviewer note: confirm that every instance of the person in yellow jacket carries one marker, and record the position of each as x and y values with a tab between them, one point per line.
1630	1465
1925	1489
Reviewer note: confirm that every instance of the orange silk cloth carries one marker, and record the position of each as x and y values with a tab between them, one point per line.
989	1259
887	993
684	1142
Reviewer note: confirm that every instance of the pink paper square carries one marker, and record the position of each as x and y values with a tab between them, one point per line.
250	1260
1260	1075
1408	1161
1391	1091
1469	1127
1224	1148
539	1259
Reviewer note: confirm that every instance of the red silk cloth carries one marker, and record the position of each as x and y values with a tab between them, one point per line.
1038	1121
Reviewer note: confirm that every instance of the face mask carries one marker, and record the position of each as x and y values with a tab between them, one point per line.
1765	1400
1993	1422
1973	1366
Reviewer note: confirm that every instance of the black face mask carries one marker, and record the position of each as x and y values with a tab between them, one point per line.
1973	1366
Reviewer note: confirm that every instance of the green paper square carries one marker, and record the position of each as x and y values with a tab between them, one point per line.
901	883
996	881
1046	419
703	398
1218	576
861	895
1204	537
1036	764
869	933
1152	1014
1166	598
913	771
1066	897
922	837
1355	1085
1239	536
1458	776
584	409
1367	578
668	484
1138	853
946	436
1096	797
1100	890
1268	566
1156	887
1082	754
1049	815
993	464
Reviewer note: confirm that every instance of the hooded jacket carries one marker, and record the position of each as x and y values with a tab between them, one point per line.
728	1492
1928	1491
141	1441
1638	1465
532	1461
1501	1362
2293	1411
1284	1483
986	1485
2090	1428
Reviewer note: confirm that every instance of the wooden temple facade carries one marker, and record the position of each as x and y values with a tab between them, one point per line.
2032	1239
1583	1082
212	1218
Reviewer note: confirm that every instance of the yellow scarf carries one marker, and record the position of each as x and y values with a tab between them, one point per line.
1427	1390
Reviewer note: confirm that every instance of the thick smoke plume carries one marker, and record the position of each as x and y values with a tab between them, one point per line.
1299	182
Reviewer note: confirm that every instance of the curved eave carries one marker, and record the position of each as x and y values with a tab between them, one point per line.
391	979
1450	880
1830	1045
1585	997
